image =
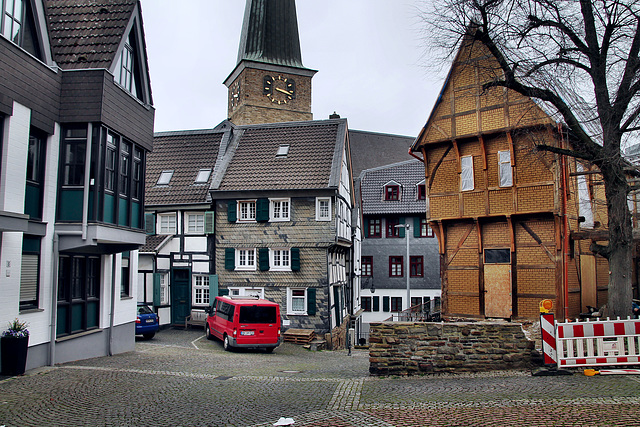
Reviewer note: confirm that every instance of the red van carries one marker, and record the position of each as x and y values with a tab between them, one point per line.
247	322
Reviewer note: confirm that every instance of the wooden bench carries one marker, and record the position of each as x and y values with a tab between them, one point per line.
196	318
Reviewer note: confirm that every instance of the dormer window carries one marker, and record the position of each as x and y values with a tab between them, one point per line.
128	72
283	151
203	176
165	178
392	191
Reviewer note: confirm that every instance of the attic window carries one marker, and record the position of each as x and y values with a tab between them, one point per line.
283	151
165	177
203	176
392	191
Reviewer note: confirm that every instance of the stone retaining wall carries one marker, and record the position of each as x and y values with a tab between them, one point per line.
406	348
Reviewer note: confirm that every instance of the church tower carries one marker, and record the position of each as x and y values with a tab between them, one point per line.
269	83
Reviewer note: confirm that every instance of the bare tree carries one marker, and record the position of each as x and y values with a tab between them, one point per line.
580	58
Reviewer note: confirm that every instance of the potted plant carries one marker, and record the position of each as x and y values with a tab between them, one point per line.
14	344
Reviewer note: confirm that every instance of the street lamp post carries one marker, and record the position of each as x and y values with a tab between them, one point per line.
408	265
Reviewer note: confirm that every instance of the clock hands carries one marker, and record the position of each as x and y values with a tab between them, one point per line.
283	91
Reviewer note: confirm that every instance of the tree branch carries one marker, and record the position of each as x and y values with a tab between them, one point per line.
601	250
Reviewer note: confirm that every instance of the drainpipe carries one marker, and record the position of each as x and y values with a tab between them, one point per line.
87	182
565	226
413	155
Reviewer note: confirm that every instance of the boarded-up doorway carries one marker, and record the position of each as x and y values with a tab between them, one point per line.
497	283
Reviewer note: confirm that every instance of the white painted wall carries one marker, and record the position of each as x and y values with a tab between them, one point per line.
380	316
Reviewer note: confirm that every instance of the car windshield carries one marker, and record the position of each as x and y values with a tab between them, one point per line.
143	309
257	314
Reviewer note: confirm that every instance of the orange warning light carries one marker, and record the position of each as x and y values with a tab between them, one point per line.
546	305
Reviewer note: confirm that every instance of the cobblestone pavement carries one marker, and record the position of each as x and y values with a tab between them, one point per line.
181	379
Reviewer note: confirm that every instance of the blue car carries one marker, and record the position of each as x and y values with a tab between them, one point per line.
147	322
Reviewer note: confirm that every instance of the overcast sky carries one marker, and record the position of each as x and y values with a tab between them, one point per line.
367	52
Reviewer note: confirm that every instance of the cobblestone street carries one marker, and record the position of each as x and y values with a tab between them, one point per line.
181	379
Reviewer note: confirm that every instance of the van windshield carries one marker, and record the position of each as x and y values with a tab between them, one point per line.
257	314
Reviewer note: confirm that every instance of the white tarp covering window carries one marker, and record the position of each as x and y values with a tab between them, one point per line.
504	168
466	174
584	199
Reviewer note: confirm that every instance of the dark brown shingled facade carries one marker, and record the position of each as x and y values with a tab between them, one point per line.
87	34
308	164
185	153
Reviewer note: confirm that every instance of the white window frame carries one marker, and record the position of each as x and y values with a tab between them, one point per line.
170	227
290	298
277	210
10	32
280	259
248	214
259	292
319	213
164	288
505	173
198	225
200	285
466	173
246	259
125	79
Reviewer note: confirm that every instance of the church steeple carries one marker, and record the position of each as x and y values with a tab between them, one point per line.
270	33
269	83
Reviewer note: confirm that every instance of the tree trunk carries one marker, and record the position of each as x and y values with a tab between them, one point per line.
620	243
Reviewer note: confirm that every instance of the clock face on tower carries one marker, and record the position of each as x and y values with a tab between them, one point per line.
278	89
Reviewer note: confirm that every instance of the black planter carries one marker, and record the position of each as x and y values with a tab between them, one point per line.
14	355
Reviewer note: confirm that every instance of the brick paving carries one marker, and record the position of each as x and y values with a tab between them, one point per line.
181	379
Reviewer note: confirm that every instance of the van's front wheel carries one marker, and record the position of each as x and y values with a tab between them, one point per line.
225	343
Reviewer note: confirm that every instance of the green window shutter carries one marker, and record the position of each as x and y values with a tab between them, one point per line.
150	223
232	211
262	210
229	259
223	292
311	301
401	230
263	259
376	303
385	304
295	259
213	288
209	222
416	226
157	297
366	227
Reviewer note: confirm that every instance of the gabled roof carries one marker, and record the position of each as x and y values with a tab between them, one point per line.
463	109
313	161
372	149
185	153
270	33
408	174
87	34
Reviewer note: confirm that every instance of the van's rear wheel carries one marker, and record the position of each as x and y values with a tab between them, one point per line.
225	343
208	332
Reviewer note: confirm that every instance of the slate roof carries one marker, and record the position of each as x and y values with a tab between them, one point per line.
270	33
185	153
86	34
371	149
408	174
314	148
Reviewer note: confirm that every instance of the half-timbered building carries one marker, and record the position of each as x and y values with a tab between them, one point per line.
512	221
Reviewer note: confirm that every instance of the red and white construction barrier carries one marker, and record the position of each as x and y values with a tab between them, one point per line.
598	343
547	327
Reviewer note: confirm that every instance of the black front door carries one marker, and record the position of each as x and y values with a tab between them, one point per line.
180	295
